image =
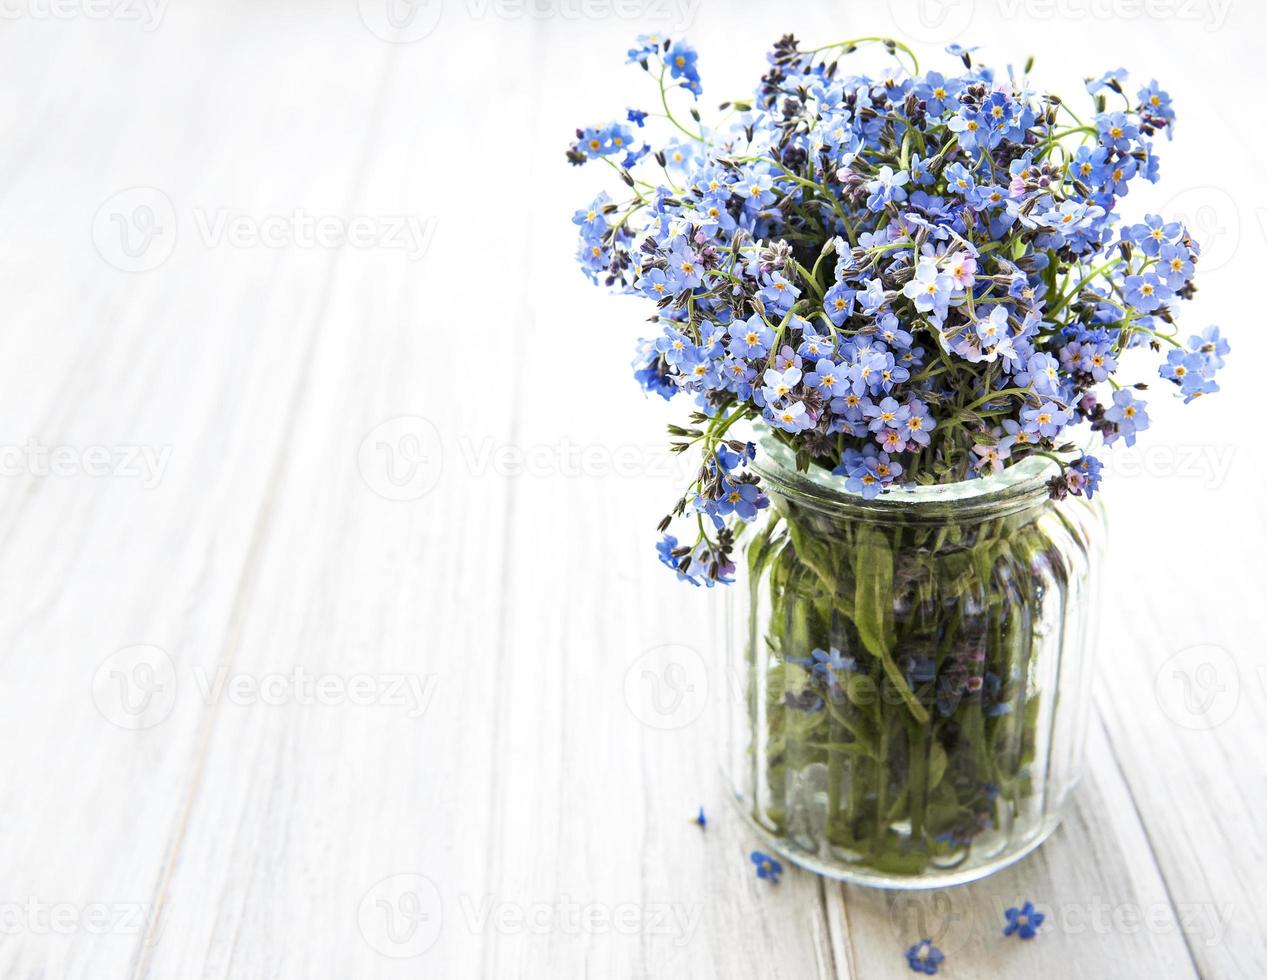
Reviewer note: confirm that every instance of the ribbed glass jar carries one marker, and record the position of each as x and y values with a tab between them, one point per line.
910	673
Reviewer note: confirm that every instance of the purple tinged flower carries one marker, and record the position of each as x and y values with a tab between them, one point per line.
1047	420
685	270
1043	373
826	663
1210	346
1127	413
1084	476
1174	264
701	821
937	92
887	186
1190	371
970	127
1146	292
1153	234
756	189
918	424
990	458
961	267
931	288
924	957
676	347
889	329
888	414
742	499
750	338
867	473
1023	921
838	304
816	346
779	384
1116	131
767	867
681	59
790	418
828	377
778	292
591	220
656	284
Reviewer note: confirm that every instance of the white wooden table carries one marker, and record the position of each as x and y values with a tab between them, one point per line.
293	690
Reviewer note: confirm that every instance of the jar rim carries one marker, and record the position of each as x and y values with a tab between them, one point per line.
1015	488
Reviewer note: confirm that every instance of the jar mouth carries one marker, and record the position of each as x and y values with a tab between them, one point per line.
1016	488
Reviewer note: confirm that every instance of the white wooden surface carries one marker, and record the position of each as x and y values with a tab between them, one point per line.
516	716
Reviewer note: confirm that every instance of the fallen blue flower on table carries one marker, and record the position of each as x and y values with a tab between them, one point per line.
1024	921
924	957
767	867
701	820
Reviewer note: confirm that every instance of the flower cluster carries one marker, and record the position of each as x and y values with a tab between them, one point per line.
910	278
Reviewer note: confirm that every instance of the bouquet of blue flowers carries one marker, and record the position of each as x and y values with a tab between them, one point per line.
911	278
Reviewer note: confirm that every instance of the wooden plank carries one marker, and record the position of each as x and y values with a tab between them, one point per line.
197	359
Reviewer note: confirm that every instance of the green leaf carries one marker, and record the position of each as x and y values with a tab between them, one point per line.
936	764
873	608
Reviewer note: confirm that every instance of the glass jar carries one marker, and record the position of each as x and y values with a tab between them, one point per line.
909	673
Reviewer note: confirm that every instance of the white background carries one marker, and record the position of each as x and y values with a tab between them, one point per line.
291	689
